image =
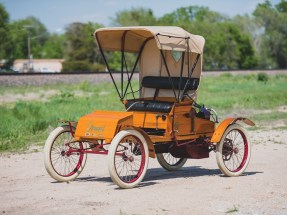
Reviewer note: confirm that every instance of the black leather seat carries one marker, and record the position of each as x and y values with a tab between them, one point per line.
149	105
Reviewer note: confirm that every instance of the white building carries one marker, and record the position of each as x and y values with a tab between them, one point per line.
38	65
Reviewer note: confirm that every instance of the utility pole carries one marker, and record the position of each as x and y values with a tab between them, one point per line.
30	67
30	63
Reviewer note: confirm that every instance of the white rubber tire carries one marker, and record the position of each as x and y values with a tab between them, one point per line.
163	162
111	158
47	156
219	148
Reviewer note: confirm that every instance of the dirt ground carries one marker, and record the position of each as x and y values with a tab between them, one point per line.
198	188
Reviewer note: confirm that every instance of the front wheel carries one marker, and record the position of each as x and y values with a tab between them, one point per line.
128	158
61	164
233	151
170	163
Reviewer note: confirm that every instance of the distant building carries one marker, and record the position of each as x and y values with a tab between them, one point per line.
38	65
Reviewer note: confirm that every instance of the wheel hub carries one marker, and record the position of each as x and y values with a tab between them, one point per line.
125	157
128	158
236	150
227	150
68	154
137	150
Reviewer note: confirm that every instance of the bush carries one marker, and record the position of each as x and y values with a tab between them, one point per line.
226	75
249	76
76	66
281	76
85	86
66	94
96	67
82	66
262	77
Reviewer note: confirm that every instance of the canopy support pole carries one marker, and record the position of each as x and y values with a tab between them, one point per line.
108	68
181	73
124	64
189	75
188	66
122	61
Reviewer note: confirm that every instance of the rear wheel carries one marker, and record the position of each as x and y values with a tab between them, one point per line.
170	163
59	163
233	151
128	158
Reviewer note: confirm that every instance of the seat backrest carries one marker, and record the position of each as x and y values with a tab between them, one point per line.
164	83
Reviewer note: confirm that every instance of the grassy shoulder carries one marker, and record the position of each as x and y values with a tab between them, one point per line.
24	123
229	92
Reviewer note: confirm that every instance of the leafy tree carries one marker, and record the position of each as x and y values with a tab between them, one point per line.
282	6
54	46
273	47
251	27
186	17
5	41
135	17
24	29
226	46
82	51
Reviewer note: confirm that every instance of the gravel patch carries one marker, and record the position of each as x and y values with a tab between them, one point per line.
49	79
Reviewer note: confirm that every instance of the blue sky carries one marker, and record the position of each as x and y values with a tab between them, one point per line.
56	14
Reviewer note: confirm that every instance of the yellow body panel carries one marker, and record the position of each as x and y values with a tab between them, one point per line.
204	126
224	124
182	122
186	124
102	125
148	120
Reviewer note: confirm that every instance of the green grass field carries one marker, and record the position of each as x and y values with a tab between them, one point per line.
25	123
243	92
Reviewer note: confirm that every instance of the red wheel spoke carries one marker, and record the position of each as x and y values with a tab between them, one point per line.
66	164
234	151
130	163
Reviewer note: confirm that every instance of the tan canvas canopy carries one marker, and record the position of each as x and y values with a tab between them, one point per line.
166	37
156	47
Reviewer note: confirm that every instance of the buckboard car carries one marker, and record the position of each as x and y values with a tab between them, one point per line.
162	119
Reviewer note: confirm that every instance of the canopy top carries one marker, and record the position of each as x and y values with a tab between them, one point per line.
166	37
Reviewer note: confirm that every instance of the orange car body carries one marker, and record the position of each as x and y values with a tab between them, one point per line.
179	124
104	125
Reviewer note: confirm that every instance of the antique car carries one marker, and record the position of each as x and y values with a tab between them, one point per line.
161	119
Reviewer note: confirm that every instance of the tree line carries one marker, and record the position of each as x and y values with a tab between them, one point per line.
241	42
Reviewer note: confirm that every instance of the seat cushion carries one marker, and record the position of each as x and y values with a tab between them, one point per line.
164	83
149	106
